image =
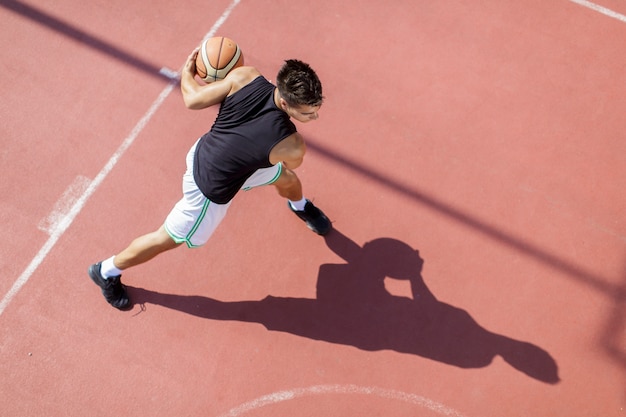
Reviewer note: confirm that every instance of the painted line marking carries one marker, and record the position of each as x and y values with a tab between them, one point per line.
65	221
62	222
286	395
64	205
600	9
170	73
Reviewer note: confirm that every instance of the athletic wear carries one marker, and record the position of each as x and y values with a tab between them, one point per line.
233	155
112	289
314	218
108	268
248	126
194	218
298	205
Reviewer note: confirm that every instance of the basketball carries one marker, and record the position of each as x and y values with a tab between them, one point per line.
217	57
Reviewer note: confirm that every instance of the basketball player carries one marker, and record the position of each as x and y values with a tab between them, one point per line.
253	142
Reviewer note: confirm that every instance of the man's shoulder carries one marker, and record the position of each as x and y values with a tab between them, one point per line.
241	77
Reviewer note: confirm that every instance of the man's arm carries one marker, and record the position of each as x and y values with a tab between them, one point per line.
199	96
290	151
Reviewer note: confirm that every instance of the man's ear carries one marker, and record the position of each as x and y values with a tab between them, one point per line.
283	103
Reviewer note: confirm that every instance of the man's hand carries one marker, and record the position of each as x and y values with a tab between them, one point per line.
190	65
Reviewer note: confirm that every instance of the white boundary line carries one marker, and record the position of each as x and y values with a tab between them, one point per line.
281	396
600	9
64	223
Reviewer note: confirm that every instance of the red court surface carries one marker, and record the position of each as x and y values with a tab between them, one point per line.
470	154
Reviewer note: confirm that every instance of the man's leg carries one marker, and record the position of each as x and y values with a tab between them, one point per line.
107	274
144	248
290	187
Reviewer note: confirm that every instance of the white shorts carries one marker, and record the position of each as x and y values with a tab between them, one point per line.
194	218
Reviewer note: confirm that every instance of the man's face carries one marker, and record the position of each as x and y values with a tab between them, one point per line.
302	113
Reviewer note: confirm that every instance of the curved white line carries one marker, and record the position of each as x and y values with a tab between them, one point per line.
291	394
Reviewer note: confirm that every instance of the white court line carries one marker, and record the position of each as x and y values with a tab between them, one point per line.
63	206
281	396
64	222
600	9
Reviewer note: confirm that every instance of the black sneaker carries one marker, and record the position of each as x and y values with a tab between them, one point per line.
112	289
314	218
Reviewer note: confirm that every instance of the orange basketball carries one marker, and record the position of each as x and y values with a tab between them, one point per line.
217	57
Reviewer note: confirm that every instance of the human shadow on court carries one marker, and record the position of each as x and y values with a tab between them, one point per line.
354	308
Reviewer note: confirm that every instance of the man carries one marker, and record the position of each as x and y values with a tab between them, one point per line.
251	143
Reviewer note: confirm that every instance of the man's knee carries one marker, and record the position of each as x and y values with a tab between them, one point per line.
164	240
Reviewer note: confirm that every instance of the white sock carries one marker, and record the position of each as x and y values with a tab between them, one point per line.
298	205
108	268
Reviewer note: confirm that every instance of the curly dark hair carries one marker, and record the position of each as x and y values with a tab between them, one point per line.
298	84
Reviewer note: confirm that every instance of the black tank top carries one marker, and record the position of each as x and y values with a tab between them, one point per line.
246	129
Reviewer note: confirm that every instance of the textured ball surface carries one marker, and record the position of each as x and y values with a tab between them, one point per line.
217	57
